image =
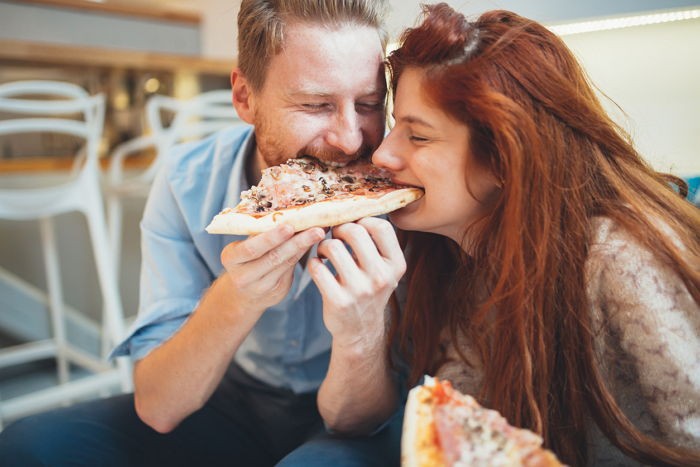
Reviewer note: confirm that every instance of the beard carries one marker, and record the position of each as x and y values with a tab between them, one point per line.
335	157
274	150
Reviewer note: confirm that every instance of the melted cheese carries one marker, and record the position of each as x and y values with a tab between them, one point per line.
306	180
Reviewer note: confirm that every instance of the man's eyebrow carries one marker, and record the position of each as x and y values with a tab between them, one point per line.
309	93
305	93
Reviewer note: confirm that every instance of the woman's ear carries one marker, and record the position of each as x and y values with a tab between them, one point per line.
243	100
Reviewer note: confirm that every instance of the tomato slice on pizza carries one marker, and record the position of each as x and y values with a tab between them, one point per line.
443	427
307	193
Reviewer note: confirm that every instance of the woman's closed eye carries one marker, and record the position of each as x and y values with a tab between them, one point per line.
418	139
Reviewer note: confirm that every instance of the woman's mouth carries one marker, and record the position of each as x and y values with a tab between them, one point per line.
396	181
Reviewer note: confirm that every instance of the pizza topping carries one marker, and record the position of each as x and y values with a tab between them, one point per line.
307	180
471	435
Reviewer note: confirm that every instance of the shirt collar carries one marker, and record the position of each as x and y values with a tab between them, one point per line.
237	181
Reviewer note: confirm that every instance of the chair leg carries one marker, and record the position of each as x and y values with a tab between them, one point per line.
115	211
112	307
114	225
53	281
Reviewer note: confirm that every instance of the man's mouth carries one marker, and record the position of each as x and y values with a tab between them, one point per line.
336	163
336	158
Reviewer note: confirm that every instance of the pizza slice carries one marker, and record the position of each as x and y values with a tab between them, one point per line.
445	428
307	193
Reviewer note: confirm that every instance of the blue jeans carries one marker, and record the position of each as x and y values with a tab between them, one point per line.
245	423
379	450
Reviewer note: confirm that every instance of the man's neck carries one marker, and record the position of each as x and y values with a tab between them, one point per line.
254	167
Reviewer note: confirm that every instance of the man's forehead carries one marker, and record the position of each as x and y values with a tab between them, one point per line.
319	44
322	69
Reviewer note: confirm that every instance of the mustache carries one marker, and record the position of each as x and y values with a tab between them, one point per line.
365	152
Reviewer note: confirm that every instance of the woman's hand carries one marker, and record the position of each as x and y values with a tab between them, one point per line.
355	299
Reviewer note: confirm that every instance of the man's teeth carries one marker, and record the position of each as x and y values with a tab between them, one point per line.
329	163
335	163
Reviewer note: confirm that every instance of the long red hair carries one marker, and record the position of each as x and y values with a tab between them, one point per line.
536	123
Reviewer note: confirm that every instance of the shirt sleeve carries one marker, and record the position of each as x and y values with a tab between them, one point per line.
173	273
656	324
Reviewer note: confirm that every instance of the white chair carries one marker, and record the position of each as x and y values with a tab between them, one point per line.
193	119
56	113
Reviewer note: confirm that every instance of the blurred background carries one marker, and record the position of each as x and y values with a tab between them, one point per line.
644	55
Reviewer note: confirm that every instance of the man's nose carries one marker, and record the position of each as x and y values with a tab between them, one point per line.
346	132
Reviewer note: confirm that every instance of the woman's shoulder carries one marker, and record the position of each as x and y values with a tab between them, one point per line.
616	255
647	328
628	282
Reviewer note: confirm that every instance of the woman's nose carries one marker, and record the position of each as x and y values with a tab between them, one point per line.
386	155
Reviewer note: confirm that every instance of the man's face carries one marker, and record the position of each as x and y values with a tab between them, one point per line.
323	96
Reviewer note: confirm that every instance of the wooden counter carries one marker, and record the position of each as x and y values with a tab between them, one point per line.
72	55
133	9
64	163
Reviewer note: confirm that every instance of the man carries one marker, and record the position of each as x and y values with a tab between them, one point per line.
229	360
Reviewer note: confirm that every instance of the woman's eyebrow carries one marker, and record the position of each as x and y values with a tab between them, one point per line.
413	119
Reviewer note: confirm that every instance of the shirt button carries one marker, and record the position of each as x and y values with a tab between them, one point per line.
294	343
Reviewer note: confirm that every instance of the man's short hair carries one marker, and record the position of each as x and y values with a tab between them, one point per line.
261	26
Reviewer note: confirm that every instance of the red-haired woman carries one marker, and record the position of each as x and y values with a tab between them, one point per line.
551	272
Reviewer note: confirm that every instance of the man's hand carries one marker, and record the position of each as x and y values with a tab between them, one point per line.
261	268
178	377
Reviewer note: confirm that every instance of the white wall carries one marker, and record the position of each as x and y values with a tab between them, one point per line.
219	30
653	73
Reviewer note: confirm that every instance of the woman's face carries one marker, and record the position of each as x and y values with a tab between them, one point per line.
429	149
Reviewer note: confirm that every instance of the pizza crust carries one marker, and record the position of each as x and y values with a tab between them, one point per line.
418	446
325	213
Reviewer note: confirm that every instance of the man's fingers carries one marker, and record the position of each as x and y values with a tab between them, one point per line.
255	247
289	253
264	273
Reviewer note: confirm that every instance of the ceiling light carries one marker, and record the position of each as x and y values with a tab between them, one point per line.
623	22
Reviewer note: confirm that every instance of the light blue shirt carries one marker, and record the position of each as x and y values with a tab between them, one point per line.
289	346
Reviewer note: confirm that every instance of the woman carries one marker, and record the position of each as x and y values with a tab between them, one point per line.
551	272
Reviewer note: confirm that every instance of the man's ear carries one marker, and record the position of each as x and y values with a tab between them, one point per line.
243	99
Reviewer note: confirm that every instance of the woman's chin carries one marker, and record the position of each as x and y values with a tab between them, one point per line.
404	218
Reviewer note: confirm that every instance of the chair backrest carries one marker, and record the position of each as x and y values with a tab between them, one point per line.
193	119
51	107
